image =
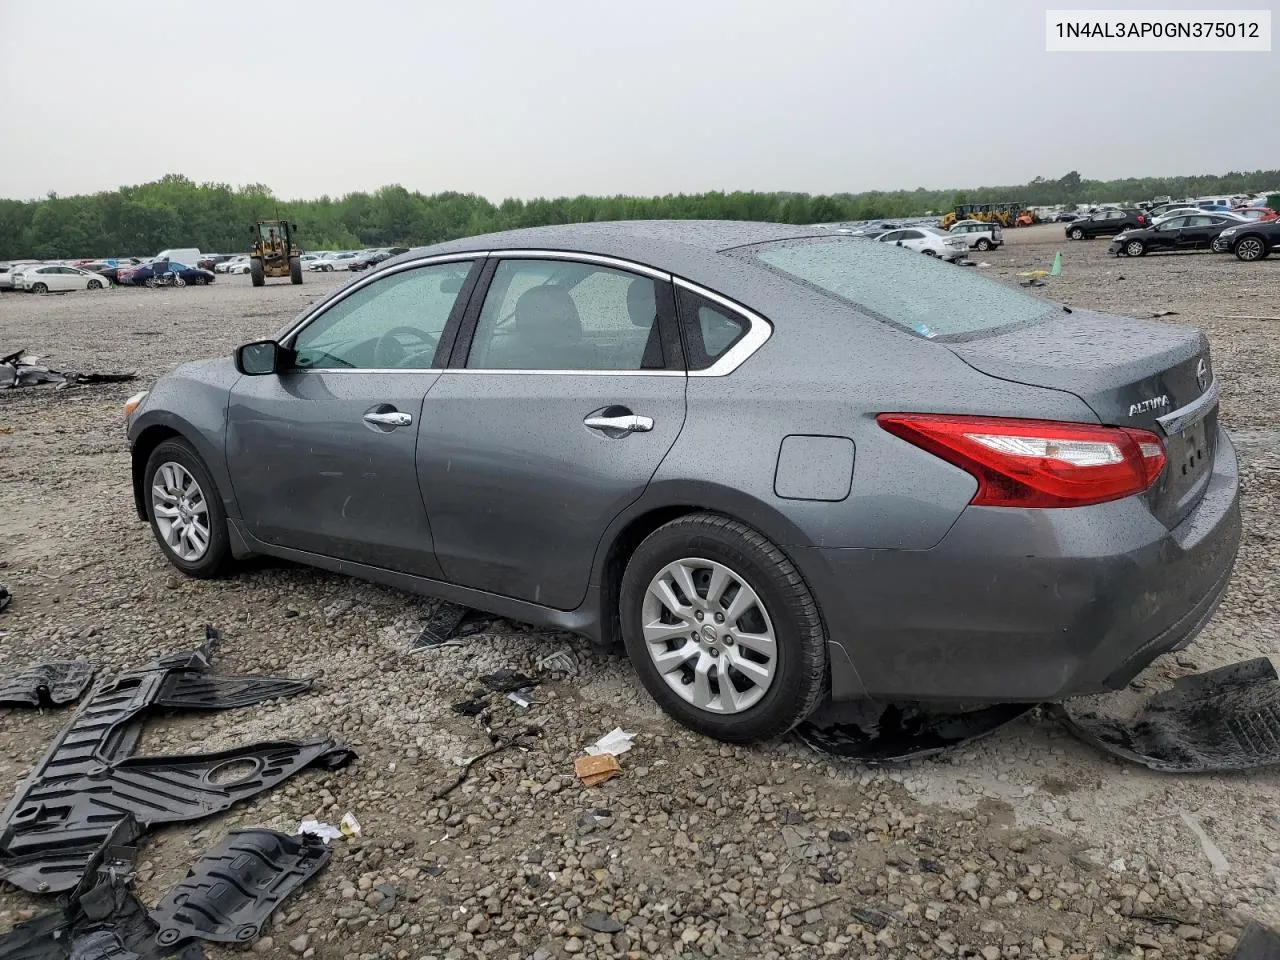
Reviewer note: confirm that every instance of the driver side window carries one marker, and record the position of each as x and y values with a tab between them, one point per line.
394	322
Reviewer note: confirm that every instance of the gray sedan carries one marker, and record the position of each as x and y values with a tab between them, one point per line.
776	464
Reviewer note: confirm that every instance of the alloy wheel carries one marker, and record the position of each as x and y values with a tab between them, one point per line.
1250	248
181	512
1134	248
709	635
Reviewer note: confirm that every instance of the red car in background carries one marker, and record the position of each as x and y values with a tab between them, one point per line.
1260	214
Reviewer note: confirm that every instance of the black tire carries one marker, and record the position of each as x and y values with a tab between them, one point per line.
929	253
1250	249
94	284
218	555
39	288
1075	233
295	270
800	681
1135	248
256	272
150	282
983	244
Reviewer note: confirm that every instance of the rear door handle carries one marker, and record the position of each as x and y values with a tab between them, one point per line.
626	423
393	419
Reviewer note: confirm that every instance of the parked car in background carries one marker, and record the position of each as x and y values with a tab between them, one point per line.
1263	214
58	278
6	276
978	234
1186	232
928	240
211	260
1066	216
373	257
999	441
334	261
180	254
1254	240
237	264
191	275
1105	223
17	269
109	267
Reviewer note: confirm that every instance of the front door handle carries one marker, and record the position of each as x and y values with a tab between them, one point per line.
626	423
392	419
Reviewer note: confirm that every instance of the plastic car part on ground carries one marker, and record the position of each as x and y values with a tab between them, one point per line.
19	370
56	682
885	733
1224	719
229	894
1257	943
88	781
102	920
448	624
6	597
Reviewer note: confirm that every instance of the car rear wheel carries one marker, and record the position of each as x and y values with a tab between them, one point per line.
1076	234
929	253
39	288
185	510
983	244
1135	248
723	630
94	284
1250	249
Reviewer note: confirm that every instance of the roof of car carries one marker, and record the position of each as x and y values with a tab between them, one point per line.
675	245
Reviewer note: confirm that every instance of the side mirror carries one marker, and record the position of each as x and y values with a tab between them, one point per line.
258	359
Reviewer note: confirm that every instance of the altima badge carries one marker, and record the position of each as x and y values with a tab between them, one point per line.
1155	403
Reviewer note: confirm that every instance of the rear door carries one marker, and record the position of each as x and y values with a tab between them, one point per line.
565	392
323	455
912	240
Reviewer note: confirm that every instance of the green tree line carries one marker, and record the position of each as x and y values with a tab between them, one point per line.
176	212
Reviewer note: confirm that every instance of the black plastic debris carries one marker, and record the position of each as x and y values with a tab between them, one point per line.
598	922
101	918
232	890
473	706
507	680
448	624
89	780
1257	943
19	370
1224	719
6	597
54	683
887	733
871	918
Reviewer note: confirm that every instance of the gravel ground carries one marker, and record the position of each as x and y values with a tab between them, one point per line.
1025	844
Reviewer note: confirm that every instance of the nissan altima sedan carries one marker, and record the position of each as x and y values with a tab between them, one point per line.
775	465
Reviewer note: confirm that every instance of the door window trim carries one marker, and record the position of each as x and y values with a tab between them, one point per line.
447	337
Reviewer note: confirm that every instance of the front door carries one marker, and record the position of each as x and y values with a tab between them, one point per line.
555	414
323	455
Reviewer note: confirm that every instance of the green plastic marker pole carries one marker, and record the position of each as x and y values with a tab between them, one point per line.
1057	265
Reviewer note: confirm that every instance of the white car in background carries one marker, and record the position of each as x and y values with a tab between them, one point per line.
928	240
1192	212
333	261
238	265
979	234
58	278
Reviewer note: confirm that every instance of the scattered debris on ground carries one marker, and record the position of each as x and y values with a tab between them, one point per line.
348	828
595	770
6	596
617	742
233	889
1225	719
19	370
507	680
562	661
54	683
88	780
449	624
501	743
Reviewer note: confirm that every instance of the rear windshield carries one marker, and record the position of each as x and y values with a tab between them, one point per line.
912	291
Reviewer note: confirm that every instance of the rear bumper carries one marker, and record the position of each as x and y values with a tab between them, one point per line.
1027	605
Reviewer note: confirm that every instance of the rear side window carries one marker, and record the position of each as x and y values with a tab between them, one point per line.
710	331
920	294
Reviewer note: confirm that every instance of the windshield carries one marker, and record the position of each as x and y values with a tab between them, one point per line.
920	294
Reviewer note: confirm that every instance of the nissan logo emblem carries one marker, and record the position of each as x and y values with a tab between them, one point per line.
1202	374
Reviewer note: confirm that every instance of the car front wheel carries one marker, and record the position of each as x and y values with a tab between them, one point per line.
185	510
1135	248
723	630
1076	234
984	244
1250	249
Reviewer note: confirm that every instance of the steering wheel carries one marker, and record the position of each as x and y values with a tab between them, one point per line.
390	352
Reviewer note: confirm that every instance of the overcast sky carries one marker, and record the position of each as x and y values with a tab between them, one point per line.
522	98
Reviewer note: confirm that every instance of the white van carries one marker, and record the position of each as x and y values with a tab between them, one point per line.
187	256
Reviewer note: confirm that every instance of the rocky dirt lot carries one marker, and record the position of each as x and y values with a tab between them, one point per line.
1025	844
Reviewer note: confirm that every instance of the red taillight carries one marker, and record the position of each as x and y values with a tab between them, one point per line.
1037	463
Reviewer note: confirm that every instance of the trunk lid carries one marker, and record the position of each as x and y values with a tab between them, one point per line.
1131	373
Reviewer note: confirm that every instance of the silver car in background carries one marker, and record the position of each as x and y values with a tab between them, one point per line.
775	463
